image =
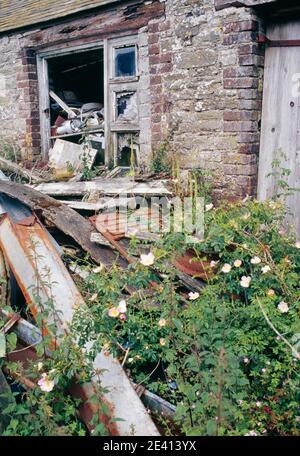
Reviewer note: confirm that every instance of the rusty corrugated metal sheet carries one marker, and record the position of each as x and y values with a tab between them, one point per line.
16	242
15	14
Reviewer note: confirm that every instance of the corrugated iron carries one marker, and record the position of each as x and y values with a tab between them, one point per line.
16	242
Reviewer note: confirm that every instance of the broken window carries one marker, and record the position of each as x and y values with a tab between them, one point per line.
127	109
127	149
125	62
91	94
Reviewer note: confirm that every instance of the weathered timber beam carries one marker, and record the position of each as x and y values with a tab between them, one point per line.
11	167
64	218
108	187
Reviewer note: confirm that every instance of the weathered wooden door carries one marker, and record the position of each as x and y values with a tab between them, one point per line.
280	127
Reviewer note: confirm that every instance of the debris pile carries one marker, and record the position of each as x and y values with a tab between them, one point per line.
88	216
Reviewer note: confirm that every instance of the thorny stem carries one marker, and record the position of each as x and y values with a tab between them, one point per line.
149	375
294	351
220	387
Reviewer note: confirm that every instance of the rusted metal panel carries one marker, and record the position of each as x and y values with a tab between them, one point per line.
262	39
15	242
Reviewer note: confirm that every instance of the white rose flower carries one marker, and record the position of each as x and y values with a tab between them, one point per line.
237	263
245	282
148	259
122	307
193	296
255	260
226	268
208	207
283	307
265	269
45	383
162	322
297	245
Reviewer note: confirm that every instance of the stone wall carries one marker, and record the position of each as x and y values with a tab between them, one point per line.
204	68
207	75
19	92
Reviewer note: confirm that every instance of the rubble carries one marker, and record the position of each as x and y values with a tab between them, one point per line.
27	212
63	217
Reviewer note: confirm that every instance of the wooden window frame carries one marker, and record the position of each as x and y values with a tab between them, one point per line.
112	86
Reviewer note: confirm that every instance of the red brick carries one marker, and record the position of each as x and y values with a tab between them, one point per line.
240	126
153	27
249	149
241	26
156	128
240	115
153	39
240	83
165	68
153	49
154	80
164	26
154	59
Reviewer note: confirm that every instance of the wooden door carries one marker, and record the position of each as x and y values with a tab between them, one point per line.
280	128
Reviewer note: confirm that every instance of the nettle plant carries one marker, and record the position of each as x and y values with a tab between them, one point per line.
228	357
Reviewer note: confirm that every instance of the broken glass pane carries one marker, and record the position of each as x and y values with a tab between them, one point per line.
125	62
127	106
127	149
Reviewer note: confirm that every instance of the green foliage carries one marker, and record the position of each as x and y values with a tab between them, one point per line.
161	161
45	407
228	359
10	151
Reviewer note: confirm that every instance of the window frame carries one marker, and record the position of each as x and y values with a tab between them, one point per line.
112	86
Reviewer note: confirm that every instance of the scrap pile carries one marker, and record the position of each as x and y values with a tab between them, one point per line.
52	215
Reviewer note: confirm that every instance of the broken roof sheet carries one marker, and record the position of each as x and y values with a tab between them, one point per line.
15	14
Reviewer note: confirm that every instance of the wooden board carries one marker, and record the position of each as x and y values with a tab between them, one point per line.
68	157
280	129
113	187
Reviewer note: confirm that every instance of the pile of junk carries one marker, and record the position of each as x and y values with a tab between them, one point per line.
86	117
57	208
59	216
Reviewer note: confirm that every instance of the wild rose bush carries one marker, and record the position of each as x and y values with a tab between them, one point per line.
227	357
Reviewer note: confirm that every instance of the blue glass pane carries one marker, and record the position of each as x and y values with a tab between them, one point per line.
125	62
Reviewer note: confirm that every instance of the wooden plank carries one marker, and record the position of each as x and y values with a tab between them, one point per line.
11	167
65	154
79	133
44	104
280	132
113	187
101	204
62	104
